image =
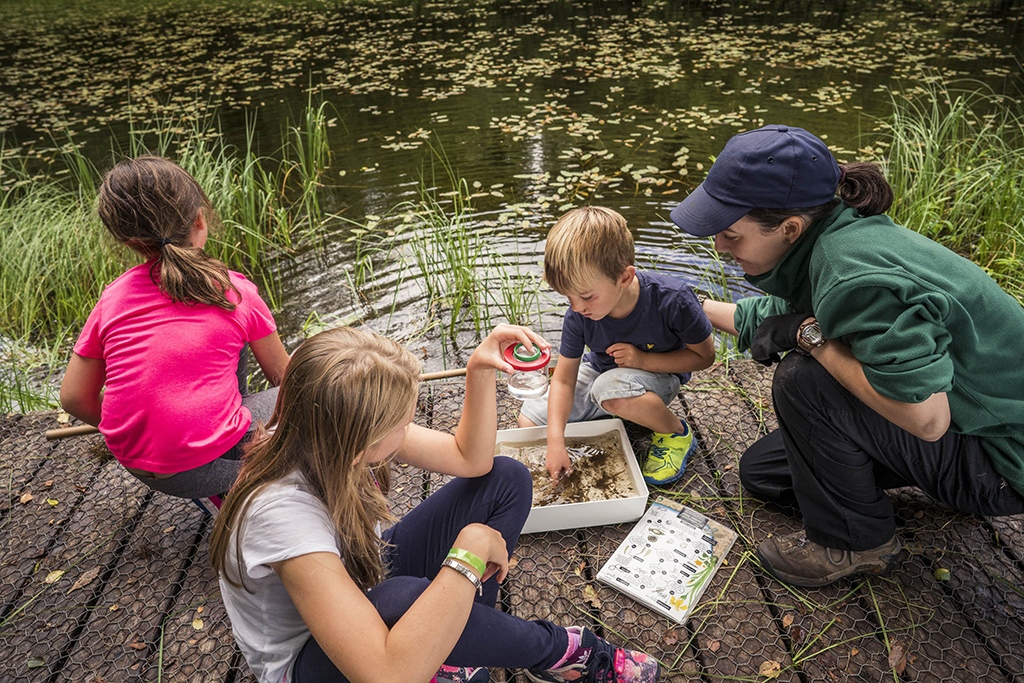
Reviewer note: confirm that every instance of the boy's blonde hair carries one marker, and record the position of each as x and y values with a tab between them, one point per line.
343	392
586	243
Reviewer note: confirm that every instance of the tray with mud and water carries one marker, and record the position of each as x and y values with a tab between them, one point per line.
604	487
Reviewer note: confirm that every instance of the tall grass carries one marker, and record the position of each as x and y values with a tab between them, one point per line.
55	257
956	163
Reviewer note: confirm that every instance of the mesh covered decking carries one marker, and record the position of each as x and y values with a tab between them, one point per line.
103	581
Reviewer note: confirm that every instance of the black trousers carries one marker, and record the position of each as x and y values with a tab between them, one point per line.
834	457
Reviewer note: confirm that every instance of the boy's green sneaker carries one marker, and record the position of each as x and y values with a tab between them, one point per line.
667	458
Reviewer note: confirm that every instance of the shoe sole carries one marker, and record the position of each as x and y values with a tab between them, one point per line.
803	582
657	675
678	475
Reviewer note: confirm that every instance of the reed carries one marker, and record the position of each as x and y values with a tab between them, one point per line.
955	159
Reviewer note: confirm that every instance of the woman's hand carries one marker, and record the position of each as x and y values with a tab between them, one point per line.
489	353
489	546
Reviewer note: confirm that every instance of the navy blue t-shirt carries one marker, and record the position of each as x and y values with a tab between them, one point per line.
666	317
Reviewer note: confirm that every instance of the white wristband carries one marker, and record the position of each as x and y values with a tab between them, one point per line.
465	571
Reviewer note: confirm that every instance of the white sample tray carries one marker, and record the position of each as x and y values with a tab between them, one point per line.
594	513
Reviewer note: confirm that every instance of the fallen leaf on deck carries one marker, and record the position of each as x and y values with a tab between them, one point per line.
36	662
197	624
54	576
941	574
52	501
897	658
671	637
591	596
136	645
770	669
714	645
25	498
787	620
853	652
48	483
86	578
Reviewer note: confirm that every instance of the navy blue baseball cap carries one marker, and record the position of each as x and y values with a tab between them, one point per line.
775	167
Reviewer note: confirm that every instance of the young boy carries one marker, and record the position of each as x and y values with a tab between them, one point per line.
646	333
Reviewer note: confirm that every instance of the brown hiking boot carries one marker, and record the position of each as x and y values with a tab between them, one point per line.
796	560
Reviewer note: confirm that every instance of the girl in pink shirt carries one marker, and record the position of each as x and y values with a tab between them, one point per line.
160	364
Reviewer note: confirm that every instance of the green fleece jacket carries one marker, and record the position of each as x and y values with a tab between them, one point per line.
921	319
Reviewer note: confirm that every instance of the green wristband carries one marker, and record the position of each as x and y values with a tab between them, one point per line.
469	558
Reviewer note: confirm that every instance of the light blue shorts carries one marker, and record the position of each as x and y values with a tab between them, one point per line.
594	388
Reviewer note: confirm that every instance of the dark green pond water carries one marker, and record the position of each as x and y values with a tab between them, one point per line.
537	105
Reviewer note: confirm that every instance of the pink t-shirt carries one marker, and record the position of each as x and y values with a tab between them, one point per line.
171	401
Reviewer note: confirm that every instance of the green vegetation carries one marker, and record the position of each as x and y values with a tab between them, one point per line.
955	160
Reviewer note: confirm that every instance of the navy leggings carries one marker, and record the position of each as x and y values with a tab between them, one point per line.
421	540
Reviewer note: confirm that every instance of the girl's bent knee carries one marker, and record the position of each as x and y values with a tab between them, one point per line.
393	597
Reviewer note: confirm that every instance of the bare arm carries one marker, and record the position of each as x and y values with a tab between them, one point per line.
81	390
927	420
470	451
560	399
722	315
693	357
272	357
352	633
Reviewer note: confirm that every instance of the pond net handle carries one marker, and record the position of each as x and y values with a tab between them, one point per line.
82	430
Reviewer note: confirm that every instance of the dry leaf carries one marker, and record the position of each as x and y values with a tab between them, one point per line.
671	637
787	620
114	608
54	576
897	658
199	610
591	596
197	624
169	529
136	645
36	662
513	562
770	669
86	578
919	514
853	652
63	418
48	483
25	498
714	645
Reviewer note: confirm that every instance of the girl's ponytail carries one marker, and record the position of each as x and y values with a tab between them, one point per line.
152	205
863	186
188	275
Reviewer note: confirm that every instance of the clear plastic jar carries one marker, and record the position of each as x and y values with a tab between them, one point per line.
530	379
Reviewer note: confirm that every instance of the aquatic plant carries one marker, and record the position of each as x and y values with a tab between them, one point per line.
955	159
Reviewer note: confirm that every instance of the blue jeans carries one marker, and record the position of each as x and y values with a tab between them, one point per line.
593	388
420	541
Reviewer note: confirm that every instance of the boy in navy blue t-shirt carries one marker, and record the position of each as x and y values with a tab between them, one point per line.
646	333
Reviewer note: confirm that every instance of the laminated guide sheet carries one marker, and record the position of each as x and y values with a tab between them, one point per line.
667	560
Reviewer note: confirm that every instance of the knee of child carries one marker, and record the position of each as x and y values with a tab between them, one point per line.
516	475
393	597
614	405
525	422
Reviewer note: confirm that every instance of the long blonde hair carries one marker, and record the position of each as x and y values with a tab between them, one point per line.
150	204
343	391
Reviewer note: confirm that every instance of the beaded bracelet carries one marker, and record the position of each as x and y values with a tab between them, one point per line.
469	558
465	571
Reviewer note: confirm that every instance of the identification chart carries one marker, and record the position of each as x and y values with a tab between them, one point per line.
668	558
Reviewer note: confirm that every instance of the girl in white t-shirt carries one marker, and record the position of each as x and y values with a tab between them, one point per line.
316	593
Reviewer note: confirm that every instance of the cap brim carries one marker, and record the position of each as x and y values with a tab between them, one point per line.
702	215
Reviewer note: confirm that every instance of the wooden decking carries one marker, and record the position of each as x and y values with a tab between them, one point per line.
103	581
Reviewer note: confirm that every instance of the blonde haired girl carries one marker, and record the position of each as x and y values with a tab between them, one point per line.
316	592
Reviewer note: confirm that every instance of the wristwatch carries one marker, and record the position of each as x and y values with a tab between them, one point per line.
701	298
808	336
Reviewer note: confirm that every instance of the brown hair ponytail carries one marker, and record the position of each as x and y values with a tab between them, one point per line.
863	186
151	205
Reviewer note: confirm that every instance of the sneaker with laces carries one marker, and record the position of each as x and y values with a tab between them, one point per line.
799	561
596	660
461	674
667	457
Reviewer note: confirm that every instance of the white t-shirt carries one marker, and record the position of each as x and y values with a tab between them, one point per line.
284	521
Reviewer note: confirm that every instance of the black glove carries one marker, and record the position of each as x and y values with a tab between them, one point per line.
774	336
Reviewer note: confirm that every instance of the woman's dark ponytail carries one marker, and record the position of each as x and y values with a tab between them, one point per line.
863	187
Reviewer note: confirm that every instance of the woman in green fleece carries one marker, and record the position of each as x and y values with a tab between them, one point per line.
909	363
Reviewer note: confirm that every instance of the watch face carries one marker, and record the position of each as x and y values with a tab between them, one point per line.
812	335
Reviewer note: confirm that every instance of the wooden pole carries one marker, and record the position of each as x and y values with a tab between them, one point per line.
82	430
